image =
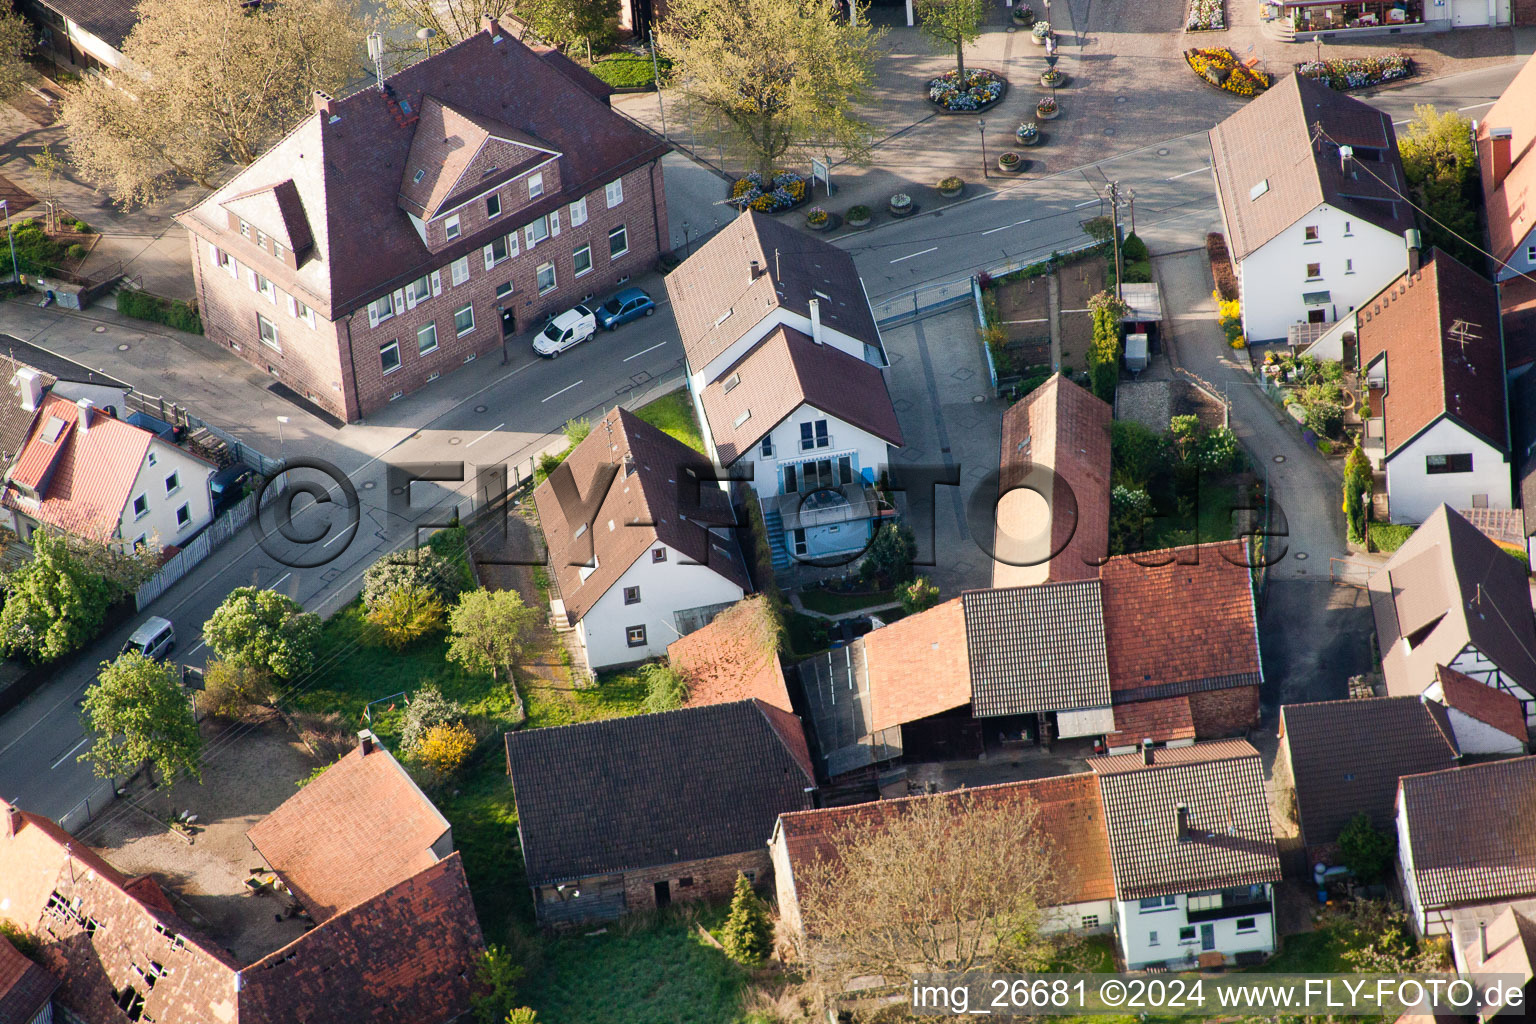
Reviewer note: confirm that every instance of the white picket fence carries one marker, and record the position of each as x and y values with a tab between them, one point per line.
201	546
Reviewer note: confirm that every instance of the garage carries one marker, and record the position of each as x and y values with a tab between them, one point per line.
1468	13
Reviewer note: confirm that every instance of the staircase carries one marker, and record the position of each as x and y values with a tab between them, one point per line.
773	522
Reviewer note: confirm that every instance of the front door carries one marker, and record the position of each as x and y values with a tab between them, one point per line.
508	323
1207	937
664	895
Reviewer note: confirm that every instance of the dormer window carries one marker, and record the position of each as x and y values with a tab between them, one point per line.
261	239
245	230
277	249
535	185
416	178
493	205
451	227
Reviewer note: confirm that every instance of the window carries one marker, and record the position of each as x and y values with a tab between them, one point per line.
464	321
614	190
814	435
496	252
223	259
418	291
631	595
1090	920
1311	232
389	355
536	231
658	554
265	287
268	332
245	230
173	483
1530	254
277	249
504	289
1314	271
546	277
451	227
1156	903
535	185
152	459
1187	934
493	205
1151	938
183	517
1349	266
303	312
766	448
140	507
459	270
426	339
685	882
1247	924
579	212
381	309
635	635
618	242
1348	228
583	260
261	239
1459	463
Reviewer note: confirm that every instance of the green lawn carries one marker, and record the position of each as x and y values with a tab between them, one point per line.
1213	518
1388	537
628	70
673	414
805	634
829	603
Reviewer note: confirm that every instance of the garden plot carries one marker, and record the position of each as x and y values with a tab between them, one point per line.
1080	281
1024	307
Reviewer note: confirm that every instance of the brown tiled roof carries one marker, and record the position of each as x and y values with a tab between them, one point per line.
626	793
645	504
1517	301
360	828
1230	841
918	666
1155	652
1036	649
459	154
1449	586
733	658
1439	332
1469	832
1347	755
1069	813
716	300
16	422
579	75
785	371
1503	711
1509	203
1271	140
1162	721
1056	442
24	987
347	167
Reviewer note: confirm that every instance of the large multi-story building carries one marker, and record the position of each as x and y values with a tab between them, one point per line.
405	230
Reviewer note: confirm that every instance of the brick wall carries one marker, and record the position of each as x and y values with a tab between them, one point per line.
712	879
1524	12
1219	713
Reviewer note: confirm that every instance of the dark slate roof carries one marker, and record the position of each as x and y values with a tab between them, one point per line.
1347	755
107	20
626	793
54	365
1470	834
1230	841
1035	649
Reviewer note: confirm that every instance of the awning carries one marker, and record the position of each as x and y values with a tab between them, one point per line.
1316	298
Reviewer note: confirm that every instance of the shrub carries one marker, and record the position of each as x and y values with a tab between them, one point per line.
890	555
1100	229
25	942
232	691
1133	249
1137	453
1129	508
171	312
428	708
630	71
405	615
83	228
1324	446
665	690
1365	849
259	627
919	595
860	212
1217	451
443	748
75	253
748	934
950	184
429	571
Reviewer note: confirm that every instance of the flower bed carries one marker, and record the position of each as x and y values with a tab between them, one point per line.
786	191
1220	67
980	90
1206	16
1345	73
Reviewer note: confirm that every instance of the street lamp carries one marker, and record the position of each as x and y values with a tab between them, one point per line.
15	270
425	35
281	422
981	126
687	244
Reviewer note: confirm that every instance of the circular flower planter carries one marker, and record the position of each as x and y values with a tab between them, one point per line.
901	205
981	90
1047	113
1053	79
821	225
1011	163
1023	16
1039	32
1028	134
785	191
949	188
857	217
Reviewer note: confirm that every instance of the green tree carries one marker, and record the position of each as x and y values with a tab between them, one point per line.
1366	850
564	23
498	976
1440	164
231	690
15	46
1357	486
1104	350
522	1015
780	72
952	23
423	568
405	615
1129	508
53	604
748	934
263	628
139	714
1137	453
890	555
487	630
427	709
665	689
919	595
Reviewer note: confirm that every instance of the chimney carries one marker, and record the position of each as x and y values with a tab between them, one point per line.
85	405
365	742
1181	814
488	24
1146	750
14	820
1414	242
816	322
1346	159
757	270
324	104
1482	935
30	385
1499	142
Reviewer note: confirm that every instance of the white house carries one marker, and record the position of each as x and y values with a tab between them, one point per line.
1068	812
1313	221
90	474
639	536
1194	854
1451	598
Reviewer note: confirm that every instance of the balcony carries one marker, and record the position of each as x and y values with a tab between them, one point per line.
826	507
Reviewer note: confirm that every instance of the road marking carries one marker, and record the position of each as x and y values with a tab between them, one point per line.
911	255
562	391
1476	106
279	580
1197	170
1090	202
76	747
195	649
487	434
1005	227
340	534
643	351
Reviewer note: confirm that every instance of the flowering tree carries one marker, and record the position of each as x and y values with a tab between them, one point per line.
952	23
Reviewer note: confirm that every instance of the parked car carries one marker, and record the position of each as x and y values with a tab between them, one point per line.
629	304
845	631
227	486
155	638
567	330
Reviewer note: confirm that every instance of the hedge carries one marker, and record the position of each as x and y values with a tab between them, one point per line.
171	312
629	70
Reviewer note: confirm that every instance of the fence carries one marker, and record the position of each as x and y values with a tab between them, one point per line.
177	415
201	546
927	298
96	801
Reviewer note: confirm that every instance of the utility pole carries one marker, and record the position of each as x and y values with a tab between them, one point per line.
656	70
1114	198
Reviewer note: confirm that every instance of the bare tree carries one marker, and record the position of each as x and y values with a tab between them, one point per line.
50	168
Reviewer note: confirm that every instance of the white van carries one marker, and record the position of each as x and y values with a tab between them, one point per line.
155	638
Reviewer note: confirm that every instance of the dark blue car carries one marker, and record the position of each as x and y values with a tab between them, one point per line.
629	304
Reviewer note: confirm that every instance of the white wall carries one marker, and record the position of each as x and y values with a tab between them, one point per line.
1472	662
1274	277
845	438
1137	929
665	588
192	474
1413	493
1091	917
1474	736
1408	883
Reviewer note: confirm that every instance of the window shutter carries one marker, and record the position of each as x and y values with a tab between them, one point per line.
490	257
399	299
512	244
293	308
437	282
250	276
373	314
554	223
213	253
528	234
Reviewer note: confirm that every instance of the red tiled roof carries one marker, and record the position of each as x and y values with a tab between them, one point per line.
1503	711
1163	721
24	986
1056	442
918	666
784	371
733	658
1509	202
360	828
1069	813
459	154
1157	650
1439	332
